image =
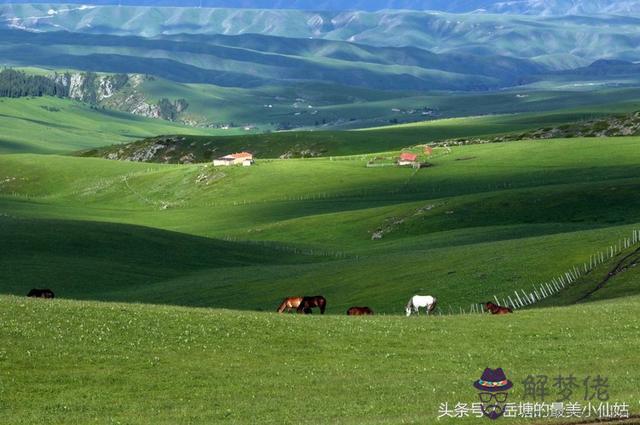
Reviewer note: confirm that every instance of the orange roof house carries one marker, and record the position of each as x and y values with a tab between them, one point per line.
407	158
241	158
410	157
241	155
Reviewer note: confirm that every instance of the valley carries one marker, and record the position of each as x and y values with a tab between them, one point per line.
465	152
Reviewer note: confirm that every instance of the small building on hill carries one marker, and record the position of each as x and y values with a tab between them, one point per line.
242	158
407	159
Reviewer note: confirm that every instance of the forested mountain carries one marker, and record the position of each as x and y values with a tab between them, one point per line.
116	91
18	84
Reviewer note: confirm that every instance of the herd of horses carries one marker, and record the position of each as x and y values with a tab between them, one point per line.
305	305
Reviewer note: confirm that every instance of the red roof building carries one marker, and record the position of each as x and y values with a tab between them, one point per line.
408	157
241	155
242	158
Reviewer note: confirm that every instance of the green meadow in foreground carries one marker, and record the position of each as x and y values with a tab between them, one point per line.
65	362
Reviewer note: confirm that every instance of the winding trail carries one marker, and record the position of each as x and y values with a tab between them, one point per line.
616	270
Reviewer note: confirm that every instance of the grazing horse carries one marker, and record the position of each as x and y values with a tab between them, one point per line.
289	304
417	301
496	309
359	311
308	303
41	293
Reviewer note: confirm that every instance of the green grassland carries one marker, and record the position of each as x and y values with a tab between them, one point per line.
68	362
132	251
318	106
379	139
483	221
47	125
167	276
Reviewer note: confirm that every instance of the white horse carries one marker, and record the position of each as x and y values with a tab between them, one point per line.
417	301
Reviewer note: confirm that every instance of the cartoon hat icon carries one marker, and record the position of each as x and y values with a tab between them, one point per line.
493	381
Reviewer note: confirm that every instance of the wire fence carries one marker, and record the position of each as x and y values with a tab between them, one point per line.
521	298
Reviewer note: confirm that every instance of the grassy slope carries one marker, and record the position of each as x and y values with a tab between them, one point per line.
46	125
90	260
379	139
615	278
329	143
308	105
459	222
82	362
349	107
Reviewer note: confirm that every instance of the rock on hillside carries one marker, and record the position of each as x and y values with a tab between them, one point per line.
614	126
194	149
122	92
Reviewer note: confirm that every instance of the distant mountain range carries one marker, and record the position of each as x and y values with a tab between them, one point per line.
253	60
528	7
556	42
301	68
404	51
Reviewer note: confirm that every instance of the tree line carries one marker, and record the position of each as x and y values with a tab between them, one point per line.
19	84
15	83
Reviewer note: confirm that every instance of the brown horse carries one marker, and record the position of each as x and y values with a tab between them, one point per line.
308	303
496	309
41	293
289	304
359	311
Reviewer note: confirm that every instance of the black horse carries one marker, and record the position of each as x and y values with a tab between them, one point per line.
41	293
308	303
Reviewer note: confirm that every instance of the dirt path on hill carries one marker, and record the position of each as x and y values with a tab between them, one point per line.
619	267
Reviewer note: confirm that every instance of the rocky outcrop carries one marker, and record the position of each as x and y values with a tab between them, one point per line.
122	92
613	126
166	149
91	87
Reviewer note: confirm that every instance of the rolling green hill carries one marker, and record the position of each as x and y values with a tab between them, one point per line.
131	249
296	144
320	106
168	271
451	229
115	257
47	124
